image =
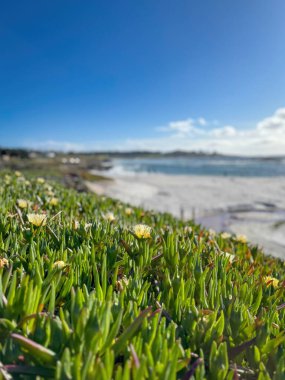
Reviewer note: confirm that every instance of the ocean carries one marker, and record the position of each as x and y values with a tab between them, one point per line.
203	165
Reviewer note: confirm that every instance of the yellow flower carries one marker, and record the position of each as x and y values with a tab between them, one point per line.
241	238
142	231
128	211
75	224
3	262
40	180
7	179
17	173
271	281
27	183
225	235
109	216
37	219
22	203
53	201
58	264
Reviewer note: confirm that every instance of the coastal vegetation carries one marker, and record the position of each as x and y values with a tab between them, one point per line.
70	169
93	288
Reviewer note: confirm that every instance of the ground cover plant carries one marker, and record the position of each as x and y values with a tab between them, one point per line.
93	289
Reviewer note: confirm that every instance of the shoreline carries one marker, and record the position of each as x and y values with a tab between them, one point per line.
239	205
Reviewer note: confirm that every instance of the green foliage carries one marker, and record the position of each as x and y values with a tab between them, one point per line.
83	297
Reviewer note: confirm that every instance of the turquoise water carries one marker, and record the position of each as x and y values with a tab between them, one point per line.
224	166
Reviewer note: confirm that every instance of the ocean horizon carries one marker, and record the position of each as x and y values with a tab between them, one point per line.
208	165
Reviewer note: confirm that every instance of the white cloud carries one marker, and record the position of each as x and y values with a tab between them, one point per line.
186	127
266	138
227	131
274	123
201	121
182	126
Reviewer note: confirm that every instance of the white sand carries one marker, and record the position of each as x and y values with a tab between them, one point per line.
249	206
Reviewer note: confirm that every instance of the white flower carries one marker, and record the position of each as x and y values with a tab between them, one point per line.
109	216
241	238
76	224
225	235
212	232
87	226
230	256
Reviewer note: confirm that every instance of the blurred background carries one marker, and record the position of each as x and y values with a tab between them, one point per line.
178	106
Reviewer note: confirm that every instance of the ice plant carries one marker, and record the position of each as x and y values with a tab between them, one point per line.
225	235
48	187
22	203
230	256
3	262
7	179
134	303
37	219
142	231
241	238
188	229
271	281
87	226
75	224
128	211
109	216
58	264
53	201
122	283
40	180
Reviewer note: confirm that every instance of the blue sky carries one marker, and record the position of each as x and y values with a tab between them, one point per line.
149	74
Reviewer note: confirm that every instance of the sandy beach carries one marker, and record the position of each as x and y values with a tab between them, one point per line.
251	206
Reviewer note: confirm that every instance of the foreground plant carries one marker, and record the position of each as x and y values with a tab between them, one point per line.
142	231
141	296
37	220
